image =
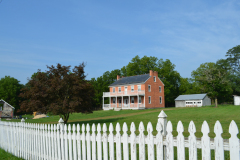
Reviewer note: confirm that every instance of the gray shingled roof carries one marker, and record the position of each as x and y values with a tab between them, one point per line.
190	97
2	102
131	80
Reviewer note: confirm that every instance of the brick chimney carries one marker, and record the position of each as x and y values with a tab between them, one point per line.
118	77
151	73
155	73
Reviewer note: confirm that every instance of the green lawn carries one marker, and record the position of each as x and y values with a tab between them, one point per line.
224	113
7	156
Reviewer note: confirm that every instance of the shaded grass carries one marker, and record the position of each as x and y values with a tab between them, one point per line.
7	156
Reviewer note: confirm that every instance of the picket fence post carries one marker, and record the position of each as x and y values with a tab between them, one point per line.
162	119
22	149
61	140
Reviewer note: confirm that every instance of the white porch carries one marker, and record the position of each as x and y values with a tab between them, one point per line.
120	106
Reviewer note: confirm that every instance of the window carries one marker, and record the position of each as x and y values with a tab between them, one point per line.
154	78
160	88
132	88
119	89
149	88
139	87
113	89
132	99
160	100
149	99
139	100
120	101
114	100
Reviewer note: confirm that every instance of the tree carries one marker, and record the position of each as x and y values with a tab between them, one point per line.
58	91
188	86
139	66
233	58
232	65
101	85
171	79
213	80
10	90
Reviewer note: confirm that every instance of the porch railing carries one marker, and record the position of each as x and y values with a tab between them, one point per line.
123	93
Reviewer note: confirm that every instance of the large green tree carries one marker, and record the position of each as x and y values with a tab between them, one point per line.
171	79
232	65
101	85
213	80
189	86
10	90
233	58
139	66
59	91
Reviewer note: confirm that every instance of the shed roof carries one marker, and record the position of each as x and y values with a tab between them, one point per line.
2	102
131	80
191	97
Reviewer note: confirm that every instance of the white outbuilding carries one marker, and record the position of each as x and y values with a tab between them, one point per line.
236	100
192	100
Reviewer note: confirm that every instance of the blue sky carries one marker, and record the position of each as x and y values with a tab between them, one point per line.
108	34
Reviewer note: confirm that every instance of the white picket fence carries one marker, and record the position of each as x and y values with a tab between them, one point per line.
62	142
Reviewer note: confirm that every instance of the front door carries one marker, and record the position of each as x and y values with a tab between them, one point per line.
126	102
120	103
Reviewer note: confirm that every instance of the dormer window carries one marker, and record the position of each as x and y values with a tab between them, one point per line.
154	78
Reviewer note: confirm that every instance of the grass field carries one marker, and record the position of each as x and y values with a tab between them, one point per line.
7	156
224	113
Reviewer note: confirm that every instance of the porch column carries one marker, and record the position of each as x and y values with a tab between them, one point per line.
144	102
122	102
109	102
103	102
138	101
129	101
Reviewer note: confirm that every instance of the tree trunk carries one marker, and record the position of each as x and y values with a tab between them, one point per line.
65	118
216	103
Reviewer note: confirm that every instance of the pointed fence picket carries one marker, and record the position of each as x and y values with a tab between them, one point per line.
94	153
141	141
118	143
133	142
62	142
205	145
180	142
192	141
125	141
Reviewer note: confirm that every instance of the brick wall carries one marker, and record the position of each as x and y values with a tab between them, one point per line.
154	93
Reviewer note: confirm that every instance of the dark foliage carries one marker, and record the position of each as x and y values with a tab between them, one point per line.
59	91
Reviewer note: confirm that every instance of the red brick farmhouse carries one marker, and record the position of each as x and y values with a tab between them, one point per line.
135	92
